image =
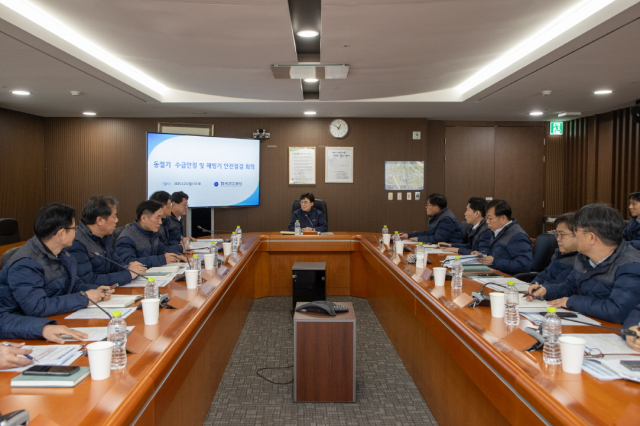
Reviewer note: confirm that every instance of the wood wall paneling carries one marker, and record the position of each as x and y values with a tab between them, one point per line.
22	162
554	175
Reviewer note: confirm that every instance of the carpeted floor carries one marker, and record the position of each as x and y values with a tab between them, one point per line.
386	394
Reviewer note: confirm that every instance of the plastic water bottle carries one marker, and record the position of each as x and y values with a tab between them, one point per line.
385	230
298	229
234	243
420	256
239	234
511	301
456	272
213	249
151	289
197	265
117	333
551	331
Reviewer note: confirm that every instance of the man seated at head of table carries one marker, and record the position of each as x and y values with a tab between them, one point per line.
94	235
605	281
479	234
311	219
443	226
164	198
139	241
41	279
563	259
510	246
632	232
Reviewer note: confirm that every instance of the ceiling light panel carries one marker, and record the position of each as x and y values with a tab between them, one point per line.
21	92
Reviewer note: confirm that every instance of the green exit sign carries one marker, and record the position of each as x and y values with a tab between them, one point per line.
556	128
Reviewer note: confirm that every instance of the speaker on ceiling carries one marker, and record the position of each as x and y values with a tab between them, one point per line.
635	112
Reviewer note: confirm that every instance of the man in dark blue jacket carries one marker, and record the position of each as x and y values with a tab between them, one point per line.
605	279
94	243
311	219
140	242
164	198
175	222
40	279
443	225
632	232
510	247
563	259
479	234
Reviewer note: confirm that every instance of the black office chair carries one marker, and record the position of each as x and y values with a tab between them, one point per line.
7	255
9	232
543	249
465	231
318	204
116	234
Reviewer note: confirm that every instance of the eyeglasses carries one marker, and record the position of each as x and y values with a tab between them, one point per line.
70	228
593	353
561	235
430	205
305	202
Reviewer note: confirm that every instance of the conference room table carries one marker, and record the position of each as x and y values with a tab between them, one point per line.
469	367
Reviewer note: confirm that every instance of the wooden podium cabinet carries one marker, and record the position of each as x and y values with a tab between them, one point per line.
470	369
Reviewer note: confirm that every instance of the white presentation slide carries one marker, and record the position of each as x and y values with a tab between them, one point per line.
213	172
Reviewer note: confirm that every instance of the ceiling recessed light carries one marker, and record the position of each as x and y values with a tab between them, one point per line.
602	92
89	113
536	113
311	80
308	33
309	113
21	92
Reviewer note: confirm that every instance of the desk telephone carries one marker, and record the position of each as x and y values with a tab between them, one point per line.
322	307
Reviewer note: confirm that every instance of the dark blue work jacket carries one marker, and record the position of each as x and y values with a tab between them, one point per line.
138	244
479	239
511	250
443	228
174	229
37	283
312	219
14	326
558	270
164	237
608	291
94	269
632	233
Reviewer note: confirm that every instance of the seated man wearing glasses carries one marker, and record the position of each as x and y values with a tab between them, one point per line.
311	219
563	259
443	224
41	278
606	272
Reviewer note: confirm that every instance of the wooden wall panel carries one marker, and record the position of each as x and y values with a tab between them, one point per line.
434	167
89	156
554	185
22	162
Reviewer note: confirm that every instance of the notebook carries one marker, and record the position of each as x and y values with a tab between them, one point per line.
23	381
118	301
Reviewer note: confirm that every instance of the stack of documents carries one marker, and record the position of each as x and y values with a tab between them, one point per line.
89	313
469	259
609	368
502	281
95	334
51	355
532	311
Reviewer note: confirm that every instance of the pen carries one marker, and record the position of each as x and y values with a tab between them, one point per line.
26	356
110	288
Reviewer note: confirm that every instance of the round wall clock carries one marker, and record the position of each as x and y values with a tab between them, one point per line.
338	128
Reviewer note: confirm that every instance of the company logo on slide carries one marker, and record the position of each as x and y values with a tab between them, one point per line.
215	183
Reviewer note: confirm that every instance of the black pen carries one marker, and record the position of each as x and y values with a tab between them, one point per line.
11	346
110	288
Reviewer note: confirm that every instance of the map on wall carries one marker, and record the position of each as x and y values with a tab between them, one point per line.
403	175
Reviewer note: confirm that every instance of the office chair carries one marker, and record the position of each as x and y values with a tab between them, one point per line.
318	204
9	232
7	255
543	249
465	231
116	234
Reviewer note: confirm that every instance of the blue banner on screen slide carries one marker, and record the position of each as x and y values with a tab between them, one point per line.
214	172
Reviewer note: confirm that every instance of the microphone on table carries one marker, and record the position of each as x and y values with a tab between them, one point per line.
312	227
116	263
209	231
623	331
481	299
100	307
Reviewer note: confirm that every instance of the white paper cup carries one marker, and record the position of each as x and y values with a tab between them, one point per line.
497	304
572	353
399	248
208	261
191	275
151	310
100	359
226	247
386	239
439	275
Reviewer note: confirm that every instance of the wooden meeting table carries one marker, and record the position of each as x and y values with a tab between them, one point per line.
470	369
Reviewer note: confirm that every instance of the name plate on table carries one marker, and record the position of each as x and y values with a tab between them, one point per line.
417	277
463	300
136	342
177	302
381	248
395	259
222	271
427	274
231	261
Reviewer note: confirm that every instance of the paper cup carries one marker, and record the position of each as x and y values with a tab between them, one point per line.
386	239
208	261
100	359
497	304
439	275
399	248
191	275
226	247
151	310
572	353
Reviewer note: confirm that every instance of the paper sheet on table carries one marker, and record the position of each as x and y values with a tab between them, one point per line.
468	259
199	245
141	282
537	305
118	301
171	269
434	251
50	355
608	344
609	368
536	318
95	333
520	285
89	313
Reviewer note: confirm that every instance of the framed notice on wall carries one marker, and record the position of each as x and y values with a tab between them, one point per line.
302	165
338	165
